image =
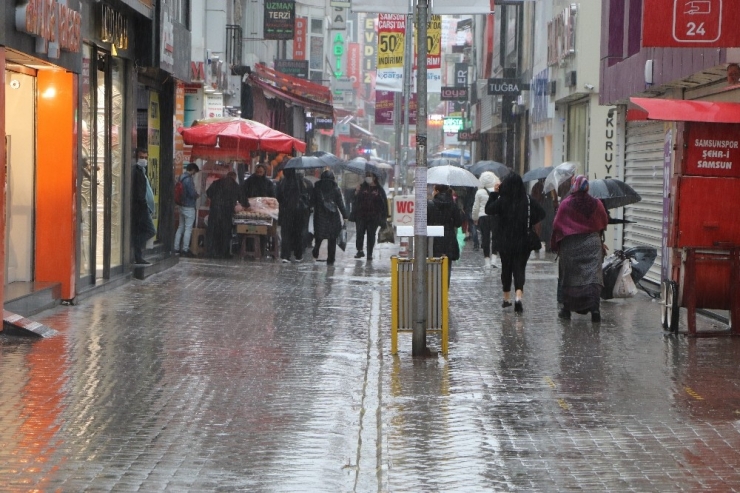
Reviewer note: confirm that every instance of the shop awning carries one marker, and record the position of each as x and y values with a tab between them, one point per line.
313	97
682	110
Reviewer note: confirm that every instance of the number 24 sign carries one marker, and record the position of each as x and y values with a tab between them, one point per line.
694	23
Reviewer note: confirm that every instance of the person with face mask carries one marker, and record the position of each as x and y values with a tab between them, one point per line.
142	208
371	211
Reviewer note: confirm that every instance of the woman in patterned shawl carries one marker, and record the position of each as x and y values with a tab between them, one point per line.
576	236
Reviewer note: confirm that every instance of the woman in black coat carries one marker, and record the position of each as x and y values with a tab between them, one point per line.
371	211
443	211
328	214
294	203
516	212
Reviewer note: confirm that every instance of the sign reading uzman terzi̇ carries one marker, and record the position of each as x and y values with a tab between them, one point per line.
691	23
713	150
279	19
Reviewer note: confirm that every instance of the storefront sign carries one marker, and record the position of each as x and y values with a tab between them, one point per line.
452	125
299	38
370	50
353	64
461	74
56	26
506	87
403	210
113	28
214	105
197	72
454	94
338	51
323	122
713	150
691	23
467	135
561	35
391	36
295	68
339	18
279	20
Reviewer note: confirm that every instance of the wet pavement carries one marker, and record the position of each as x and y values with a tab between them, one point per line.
261	376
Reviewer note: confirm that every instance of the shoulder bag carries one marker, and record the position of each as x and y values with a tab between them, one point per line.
533	239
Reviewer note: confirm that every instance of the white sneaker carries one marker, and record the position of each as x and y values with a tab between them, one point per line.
495	262
285	261
487	263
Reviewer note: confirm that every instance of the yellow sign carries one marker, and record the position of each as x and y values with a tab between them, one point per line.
154	139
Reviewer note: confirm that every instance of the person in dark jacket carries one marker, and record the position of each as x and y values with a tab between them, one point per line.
142	208
258	184
308	193
224	195
517	212
443	211
370	211
328	215
291	195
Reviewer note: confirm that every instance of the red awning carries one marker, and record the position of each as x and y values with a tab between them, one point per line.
682	110
311	96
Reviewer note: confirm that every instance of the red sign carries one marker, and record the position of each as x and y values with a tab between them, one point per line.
691	23
713	150
354	72
299	38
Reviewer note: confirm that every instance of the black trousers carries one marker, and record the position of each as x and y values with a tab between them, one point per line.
291	236
485	224
331	249
513	265
371	228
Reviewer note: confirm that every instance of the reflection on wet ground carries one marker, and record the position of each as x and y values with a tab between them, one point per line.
257	376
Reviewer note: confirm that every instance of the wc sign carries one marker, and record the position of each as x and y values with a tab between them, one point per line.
403	210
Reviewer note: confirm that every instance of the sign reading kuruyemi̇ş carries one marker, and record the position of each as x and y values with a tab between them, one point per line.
279	19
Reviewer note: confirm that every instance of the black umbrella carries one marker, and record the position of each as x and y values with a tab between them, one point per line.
536	174
304	162
360	166
642	257
499	169
613	193
330	159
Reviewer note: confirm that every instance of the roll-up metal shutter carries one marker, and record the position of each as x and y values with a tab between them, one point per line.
643	171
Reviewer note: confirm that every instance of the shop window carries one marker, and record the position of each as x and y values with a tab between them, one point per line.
317	26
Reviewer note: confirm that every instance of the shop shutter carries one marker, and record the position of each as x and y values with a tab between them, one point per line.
643	171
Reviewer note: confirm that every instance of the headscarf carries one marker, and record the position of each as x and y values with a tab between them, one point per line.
488	179
579	213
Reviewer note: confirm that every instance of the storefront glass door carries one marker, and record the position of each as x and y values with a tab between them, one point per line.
101	174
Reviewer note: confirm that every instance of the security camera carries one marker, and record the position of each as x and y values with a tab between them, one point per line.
588	87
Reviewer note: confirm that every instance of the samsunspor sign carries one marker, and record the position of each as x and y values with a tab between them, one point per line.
55	26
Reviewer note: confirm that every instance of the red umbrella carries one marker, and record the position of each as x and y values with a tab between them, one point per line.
235	139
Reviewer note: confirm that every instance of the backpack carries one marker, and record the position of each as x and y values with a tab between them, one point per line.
179	192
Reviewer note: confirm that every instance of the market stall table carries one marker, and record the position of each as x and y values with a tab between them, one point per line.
256	228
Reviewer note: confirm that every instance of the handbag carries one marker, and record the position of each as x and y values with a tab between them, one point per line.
342	239
533	239
386	234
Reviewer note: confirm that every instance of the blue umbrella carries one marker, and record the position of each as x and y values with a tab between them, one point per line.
454	153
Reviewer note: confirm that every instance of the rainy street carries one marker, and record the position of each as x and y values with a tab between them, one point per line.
230	375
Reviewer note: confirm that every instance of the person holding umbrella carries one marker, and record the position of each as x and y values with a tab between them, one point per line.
370	211
443	211
291	195
516	212
489	183
329	212
576	237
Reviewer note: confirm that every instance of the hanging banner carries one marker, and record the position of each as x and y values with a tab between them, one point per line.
299	38
369	54
391	42
354	71
279	22
384	105
434	55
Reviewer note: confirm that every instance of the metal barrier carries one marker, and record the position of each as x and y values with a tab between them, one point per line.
402	306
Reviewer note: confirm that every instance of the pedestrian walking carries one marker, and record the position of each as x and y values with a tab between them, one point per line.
577	236
443	211
466	196
307	236
370	212
291	195
142	207
544	227
187	211
489	182
329	214
516	212
223	194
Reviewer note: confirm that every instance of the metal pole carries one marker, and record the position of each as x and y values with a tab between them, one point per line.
419	338
407	65
397	98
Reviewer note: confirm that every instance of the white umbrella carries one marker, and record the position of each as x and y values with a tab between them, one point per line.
452	176
559	174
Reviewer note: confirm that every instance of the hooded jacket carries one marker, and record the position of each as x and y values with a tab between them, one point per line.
489	181
443	211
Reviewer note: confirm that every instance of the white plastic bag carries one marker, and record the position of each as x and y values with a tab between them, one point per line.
310	223
625	286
